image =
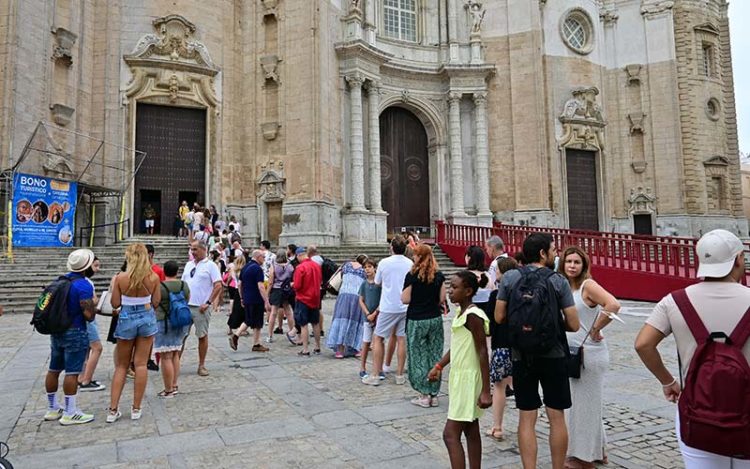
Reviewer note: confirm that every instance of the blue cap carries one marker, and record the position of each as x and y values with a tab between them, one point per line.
300	250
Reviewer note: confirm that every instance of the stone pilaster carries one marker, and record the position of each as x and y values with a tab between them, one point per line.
456	165
453	31
373	96
481	163
356	143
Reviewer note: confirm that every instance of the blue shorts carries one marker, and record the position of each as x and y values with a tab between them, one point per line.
68	351
93	331
304	315
136	321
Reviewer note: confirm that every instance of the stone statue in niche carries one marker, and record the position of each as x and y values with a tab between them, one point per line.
477	15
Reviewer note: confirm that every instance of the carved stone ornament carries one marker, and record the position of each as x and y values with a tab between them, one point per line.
583	124
634	74
636	122
270	64
477	12
173	43
171	65
641	201
271	183
639	166
61	114
355	7
608	16
716	165
655	7
63	50
270	9
405	96
270	130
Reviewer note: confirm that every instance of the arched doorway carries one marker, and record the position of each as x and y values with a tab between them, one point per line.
405	182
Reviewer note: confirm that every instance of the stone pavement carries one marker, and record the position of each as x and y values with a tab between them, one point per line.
278	410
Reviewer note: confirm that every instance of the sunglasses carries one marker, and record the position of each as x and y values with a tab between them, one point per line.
192	272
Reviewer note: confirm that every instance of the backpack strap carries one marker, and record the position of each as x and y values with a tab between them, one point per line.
741	332
694	323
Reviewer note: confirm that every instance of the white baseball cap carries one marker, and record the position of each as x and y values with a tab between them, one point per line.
717	251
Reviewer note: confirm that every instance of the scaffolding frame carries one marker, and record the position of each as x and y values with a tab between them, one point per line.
44	156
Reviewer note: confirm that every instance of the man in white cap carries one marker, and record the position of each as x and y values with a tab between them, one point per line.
68	349
721	304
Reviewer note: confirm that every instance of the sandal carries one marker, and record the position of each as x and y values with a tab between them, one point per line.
496	434
166	394
303	354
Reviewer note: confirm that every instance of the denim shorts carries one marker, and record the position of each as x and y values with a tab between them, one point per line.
93	331
136	321
68	351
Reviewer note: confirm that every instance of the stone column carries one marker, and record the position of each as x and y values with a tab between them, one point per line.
356	143
481	163
457	169
373	96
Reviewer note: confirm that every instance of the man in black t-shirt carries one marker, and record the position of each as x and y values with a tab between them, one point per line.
549	368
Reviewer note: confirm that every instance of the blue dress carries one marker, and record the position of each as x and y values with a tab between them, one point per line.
347	325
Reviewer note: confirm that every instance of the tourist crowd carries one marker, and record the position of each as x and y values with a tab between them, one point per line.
521	326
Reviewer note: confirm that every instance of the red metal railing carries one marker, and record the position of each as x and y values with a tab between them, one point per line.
630	266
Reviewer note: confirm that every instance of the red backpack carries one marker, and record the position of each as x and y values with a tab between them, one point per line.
715	402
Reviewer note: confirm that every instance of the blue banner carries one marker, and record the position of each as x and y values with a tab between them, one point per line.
44	211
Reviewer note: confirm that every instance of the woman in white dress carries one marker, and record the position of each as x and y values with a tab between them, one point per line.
587	439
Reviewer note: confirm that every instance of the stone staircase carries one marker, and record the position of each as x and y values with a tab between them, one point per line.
22	281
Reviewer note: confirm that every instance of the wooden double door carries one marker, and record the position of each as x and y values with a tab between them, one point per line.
583	192
174	139
404	169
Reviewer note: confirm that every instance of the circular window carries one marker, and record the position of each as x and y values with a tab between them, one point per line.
712	109
577	31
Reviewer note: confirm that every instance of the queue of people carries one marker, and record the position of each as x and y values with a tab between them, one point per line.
538	309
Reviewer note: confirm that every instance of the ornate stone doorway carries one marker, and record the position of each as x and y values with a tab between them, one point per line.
583	206
405	182
174	139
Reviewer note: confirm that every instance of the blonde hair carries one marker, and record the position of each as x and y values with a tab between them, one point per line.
239	263
139	266
426	267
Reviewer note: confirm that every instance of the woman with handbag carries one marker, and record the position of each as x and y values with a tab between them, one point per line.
594	304
347	325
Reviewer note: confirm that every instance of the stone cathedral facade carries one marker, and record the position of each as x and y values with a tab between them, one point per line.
343	121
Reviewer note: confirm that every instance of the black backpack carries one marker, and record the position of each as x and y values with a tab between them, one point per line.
51	310
533	313
329	268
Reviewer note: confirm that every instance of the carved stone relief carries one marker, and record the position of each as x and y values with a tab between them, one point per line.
655	7
636	122
716	165
63	49
582	120
270	9
269	64
271	183
608	16
270	130
634	74
641	201
476	12
61	114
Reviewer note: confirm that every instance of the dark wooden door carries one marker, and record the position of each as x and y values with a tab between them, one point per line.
404	169
273	212
583	205
174	140
642	224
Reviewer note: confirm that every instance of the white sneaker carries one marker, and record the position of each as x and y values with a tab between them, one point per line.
53	414
135	414
400	379
112	418
76	419
371	380
268	340
386	369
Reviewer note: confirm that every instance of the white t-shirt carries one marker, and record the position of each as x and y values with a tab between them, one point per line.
493	273
720	305
201	282
390	275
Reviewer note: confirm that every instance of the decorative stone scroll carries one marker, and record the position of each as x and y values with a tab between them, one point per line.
633	72
636	122
608	16
583	124
270	64
272	183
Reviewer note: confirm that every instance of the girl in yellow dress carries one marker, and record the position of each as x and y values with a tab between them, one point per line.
469	379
